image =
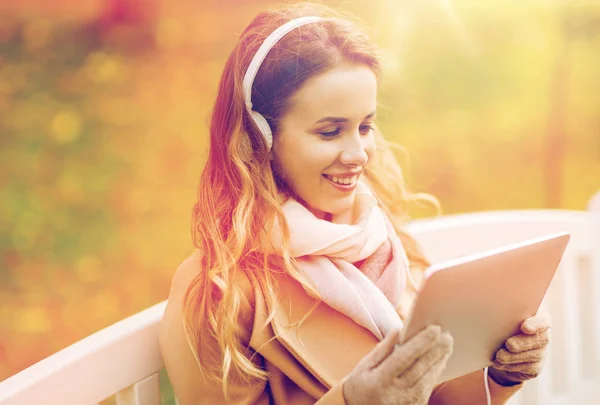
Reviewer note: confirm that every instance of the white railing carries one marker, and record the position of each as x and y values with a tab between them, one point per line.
124	359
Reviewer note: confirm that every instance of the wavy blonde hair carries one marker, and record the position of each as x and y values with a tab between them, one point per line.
237	195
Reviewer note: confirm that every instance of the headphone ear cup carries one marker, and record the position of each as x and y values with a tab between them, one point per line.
263	127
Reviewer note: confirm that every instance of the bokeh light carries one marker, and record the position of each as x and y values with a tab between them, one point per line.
104	106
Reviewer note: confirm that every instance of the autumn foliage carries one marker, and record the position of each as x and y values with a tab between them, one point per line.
104	107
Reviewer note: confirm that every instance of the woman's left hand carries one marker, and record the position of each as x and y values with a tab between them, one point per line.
522	355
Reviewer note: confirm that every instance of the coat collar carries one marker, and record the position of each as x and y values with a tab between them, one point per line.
328	344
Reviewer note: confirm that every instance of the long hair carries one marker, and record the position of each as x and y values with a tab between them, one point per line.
237	202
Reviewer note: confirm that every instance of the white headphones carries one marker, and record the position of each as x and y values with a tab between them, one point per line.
259	57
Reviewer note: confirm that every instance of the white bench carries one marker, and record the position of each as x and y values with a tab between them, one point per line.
124	359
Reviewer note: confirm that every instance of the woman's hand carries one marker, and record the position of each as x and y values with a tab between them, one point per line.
400	374
522	356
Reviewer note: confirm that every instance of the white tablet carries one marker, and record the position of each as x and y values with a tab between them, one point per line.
482	299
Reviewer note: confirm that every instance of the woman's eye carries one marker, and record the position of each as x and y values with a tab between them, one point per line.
330	134
365	129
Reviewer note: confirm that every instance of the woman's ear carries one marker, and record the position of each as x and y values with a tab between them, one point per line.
272	154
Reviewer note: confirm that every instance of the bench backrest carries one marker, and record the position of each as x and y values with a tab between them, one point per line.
122	359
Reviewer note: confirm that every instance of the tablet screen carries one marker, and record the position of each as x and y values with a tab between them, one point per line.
482	299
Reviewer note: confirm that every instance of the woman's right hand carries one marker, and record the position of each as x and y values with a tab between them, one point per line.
400	374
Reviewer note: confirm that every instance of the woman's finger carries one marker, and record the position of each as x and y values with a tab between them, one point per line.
402	356
423	387
526	369
425	364
505	357
522	342
537	323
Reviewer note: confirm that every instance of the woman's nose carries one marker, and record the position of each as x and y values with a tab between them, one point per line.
354	152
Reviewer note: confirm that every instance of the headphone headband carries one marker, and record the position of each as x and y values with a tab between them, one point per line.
257	60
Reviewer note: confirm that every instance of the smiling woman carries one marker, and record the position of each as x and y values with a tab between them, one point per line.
325	138
303	271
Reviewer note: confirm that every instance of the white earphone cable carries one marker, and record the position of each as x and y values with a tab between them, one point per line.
486	383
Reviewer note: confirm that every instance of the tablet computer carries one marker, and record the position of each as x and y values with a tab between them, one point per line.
482	299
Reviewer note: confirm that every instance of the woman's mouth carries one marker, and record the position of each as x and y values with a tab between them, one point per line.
342	183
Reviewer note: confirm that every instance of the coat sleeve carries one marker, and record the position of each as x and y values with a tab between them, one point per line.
470	390
182	368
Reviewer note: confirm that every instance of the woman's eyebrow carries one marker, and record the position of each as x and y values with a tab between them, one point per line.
342	119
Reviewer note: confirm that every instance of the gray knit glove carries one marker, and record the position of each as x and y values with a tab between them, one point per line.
522	356
400	374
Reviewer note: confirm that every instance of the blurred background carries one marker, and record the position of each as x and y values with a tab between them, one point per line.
104	107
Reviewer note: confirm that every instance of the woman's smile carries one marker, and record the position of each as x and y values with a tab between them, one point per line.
342	183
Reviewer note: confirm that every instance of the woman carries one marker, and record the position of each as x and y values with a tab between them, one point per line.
303	272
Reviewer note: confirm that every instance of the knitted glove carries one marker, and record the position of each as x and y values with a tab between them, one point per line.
522	356
399	374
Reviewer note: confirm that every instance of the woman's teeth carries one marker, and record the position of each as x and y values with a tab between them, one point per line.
342	180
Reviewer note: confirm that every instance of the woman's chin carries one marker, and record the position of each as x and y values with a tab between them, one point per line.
339	207
325	208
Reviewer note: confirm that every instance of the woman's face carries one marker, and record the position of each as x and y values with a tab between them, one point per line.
325	138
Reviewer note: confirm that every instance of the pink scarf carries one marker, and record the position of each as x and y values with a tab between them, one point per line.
356	262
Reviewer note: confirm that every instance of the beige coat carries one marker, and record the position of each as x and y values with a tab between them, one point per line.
306	365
